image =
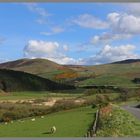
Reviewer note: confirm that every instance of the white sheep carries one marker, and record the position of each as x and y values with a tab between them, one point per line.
33	119
53	129
42	116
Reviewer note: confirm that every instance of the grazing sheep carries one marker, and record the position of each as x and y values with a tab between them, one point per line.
33	119
6	123
53	129
42	116
11	121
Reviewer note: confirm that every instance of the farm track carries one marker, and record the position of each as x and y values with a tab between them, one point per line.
133	110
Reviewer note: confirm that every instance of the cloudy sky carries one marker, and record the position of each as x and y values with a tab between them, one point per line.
70	33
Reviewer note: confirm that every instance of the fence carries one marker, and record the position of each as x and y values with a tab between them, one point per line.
92	132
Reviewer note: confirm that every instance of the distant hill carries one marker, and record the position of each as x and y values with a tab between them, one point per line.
20	81
41	67
121	73
127	61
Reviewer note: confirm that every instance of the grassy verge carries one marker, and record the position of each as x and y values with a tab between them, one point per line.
118	123
70	123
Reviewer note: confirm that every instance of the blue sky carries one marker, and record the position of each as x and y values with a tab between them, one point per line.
70	33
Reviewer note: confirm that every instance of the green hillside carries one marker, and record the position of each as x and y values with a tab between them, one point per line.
41	67
118	73
20	81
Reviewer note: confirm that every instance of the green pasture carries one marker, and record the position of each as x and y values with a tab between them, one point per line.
71	123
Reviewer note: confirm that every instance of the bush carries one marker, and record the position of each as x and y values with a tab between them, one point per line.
94	105
102	100
8	116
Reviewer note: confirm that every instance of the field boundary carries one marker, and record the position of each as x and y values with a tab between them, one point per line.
93	130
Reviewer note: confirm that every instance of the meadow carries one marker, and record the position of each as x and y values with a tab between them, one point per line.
70	123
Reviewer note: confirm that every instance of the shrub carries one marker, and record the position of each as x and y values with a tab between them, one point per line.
94	105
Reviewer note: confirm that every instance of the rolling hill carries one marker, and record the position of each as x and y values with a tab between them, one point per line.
41	67
121	73
128	61
20	81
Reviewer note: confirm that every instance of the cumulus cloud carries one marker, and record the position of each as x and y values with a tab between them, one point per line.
111	54
56	52
63	60
49	50
133	8
121	26
89	21
124	23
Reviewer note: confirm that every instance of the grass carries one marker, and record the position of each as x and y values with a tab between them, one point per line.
35	95
119	123
112	96
71	123
108	80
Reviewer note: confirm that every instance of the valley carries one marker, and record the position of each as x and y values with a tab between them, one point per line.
67	96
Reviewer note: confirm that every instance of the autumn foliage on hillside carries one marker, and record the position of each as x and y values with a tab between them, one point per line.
66	75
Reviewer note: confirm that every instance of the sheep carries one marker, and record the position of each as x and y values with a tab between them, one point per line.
33	119
53	129
42	117
6	123
11	121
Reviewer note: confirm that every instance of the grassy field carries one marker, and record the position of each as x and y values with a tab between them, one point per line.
35	95
108	80
71	123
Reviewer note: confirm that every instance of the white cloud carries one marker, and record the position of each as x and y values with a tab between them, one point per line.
54	30
36	9
41	48
111	54
63	60
65	47
89	21
121	26
56	52
133	8
41	12
49	50
124	23
106	38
